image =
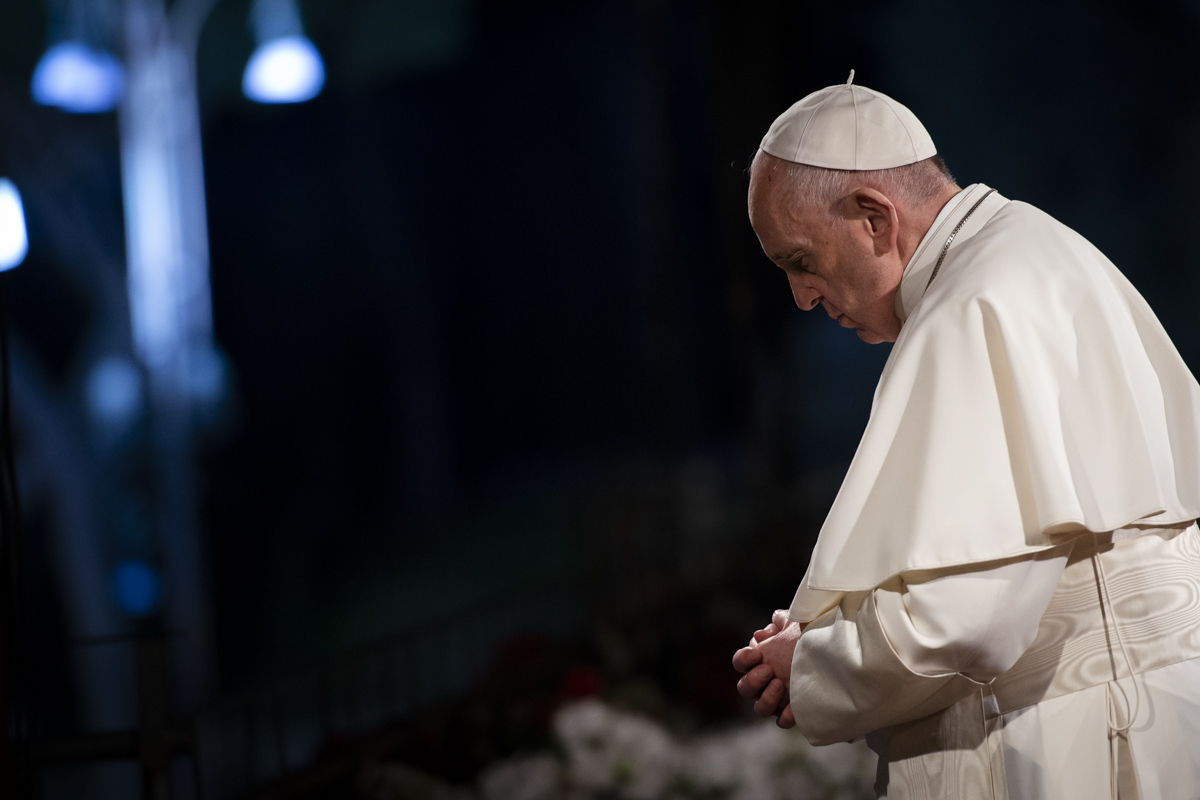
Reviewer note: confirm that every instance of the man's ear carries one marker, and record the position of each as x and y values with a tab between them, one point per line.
881	217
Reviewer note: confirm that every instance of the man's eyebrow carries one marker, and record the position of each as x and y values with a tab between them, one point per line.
799	251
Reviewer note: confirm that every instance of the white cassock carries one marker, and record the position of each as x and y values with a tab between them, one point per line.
1005	596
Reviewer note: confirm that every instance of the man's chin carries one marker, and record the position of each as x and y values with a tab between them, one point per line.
869	337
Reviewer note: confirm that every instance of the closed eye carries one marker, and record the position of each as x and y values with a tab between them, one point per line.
800	264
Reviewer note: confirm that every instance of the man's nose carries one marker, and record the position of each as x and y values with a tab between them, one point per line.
806	297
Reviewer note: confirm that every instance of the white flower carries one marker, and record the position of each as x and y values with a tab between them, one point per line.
537	777
611	750
843	762
762	762
614	753
712	765
585	730
647	760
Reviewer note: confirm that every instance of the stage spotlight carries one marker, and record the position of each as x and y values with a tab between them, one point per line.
78	79
14	240
288	69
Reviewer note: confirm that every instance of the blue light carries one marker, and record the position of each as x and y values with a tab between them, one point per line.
114	391
78	79
138	587
284	70
14	239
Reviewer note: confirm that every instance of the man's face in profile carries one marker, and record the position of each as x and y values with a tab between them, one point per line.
829	260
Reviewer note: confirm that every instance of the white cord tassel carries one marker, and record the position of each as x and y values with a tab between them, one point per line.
1132	710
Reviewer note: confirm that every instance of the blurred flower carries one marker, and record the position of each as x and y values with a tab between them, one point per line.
539	777
613	751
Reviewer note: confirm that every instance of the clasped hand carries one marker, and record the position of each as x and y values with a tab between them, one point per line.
766	667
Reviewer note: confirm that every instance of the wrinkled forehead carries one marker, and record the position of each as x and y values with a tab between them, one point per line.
766	170
767	195
775	213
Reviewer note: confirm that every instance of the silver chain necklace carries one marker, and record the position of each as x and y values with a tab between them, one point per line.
953	233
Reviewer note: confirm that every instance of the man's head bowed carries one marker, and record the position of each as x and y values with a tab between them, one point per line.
843	188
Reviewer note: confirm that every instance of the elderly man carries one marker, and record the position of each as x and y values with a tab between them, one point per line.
1005	596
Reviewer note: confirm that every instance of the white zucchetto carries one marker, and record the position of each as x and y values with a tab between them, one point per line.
849	127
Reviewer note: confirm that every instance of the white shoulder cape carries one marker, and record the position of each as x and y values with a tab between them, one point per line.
1031	392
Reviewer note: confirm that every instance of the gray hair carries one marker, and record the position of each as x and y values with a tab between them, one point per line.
912	185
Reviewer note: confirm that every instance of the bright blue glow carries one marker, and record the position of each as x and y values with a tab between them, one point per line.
14	239
78	79
114	391
284	70
138	587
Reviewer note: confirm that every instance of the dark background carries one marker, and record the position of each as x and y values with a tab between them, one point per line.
496	318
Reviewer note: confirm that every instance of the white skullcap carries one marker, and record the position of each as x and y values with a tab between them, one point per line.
849	127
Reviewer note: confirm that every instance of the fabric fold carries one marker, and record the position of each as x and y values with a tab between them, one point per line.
1031	392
